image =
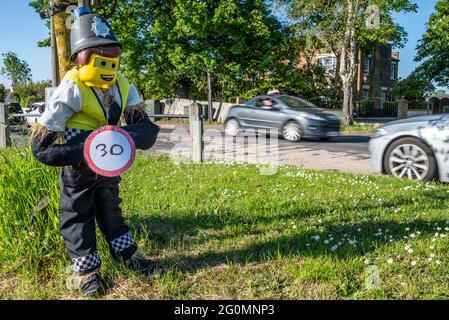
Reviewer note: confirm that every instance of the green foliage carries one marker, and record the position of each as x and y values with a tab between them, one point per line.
28	211
235	40
328	26
440	92
28	93
40	5
366	107
320	21
169	46
16	70
433	48
2	92
413	88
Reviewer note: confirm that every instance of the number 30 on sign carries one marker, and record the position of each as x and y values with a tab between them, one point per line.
109	151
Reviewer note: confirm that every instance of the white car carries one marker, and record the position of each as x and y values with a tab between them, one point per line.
34	112
414	148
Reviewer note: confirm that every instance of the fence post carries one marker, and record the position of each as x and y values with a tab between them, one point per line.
402	109
153	107
196	132
5	139
429	107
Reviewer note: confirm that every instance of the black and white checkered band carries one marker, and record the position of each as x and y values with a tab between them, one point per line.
70	133
85	263
123	242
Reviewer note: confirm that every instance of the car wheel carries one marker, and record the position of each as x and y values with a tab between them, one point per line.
292	131
232	127
410	158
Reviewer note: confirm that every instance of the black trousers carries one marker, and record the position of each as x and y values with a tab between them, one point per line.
88	200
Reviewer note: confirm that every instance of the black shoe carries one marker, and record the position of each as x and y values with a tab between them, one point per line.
90	284
138	262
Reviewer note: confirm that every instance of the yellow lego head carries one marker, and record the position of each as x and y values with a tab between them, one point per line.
100	72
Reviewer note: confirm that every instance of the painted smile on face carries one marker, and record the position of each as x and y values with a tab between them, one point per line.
107	78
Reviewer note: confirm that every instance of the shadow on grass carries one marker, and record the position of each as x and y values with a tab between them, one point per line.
304	245
164	229
198	228
299	244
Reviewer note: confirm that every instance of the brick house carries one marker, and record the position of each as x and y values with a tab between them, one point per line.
377	72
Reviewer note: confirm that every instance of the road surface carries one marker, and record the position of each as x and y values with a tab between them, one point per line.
347	153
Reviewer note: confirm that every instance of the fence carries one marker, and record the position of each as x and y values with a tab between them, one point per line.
181	106
377	108
195	117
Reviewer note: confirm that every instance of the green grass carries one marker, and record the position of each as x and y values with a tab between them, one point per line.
225	231
359	127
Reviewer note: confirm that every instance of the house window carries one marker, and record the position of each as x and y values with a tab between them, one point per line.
365	94
393	71
366	66
329	64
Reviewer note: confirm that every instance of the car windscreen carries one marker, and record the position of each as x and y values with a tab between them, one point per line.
251	103
294	102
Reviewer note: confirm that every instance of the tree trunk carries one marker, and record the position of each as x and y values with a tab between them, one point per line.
55	80
209	96
62	37
348	65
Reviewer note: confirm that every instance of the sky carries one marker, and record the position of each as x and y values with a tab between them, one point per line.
21	28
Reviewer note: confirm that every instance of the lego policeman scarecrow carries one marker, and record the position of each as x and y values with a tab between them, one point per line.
92	95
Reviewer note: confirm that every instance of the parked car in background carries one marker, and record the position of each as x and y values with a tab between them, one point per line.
293	117
15	108
415	148
34	112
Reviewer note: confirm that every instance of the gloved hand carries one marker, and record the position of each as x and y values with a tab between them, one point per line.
45	149
143	134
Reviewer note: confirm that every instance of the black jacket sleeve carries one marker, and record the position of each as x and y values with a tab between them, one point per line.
45	149
141	128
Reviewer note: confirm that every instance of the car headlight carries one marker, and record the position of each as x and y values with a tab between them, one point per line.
313	117
380	133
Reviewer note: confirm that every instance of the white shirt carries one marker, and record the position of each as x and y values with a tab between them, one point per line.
67	99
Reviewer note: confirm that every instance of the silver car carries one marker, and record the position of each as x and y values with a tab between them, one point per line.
34	112
414	148
293	118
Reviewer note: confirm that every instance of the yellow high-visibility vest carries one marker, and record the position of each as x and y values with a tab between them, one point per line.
92	116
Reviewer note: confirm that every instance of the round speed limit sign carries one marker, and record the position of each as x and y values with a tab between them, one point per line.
109	151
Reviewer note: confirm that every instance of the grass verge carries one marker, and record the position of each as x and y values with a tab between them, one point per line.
360	127
225	231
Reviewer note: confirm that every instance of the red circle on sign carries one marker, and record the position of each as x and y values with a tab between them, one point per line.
91	163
